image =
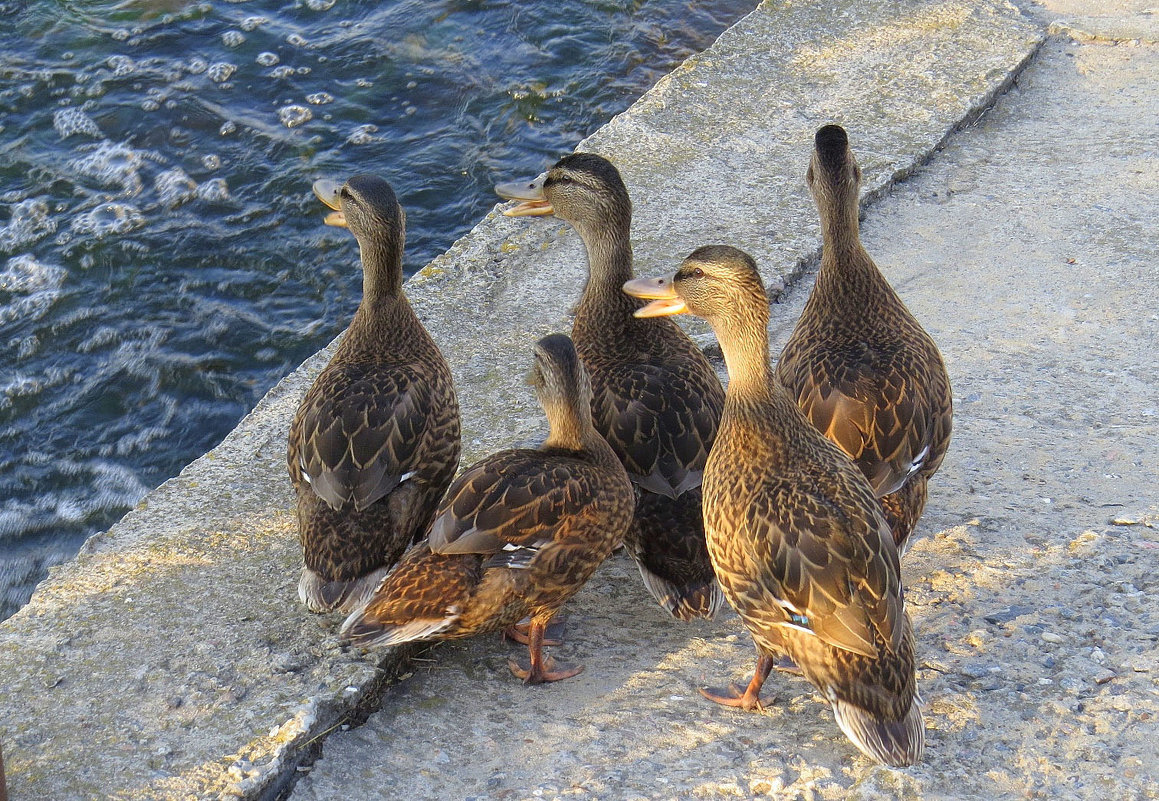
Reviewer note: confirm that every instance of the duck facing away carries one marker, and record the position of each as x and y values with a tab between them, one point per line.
796	535
858	363
517	534
656	398
375	442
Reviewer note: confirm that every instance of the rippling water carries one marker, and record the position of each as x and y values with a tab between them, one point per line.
162	260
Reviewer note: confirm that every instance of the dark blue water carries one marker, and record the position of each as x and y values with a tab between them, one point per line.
162	259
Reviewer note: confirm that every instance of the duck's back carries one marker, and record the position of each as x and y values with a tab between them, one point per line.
657	401
373	445
870	378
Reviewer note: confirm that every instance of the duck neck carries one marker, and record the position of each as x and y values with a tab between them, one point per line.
571	429
846	268
745	345
609	251
384	308
381	270
840	228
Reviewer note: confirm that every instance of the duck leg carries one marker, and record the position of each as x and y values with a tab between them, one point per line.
751	697
541	670
552	637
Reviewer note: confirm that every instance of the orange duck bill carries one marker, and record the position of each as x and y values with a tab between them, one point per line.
662	293
530	193
327	191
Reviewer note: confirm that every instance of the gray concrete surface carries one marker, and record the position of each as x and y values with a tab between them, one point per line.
171	659
1027	246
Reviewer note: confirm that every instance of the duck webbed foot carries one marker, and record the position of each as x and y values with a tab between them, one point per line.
748	699
541	670
549	670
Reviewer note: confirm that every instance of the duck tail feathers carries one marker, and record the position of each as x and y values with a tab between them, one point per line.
320	595
895	743
366	632
701	599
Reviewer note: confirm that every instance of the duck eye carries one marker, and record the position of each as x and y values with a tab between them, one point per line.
697	273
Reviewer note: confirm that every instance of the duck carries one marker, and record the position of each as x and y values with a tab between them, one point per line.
656	397
375	441
858	363
796	535
518	533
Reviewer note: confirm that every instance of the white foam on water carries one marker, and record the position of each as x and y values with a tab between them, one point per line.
363	135
121	65
112	164
213	190
107	219
36	286
174	187
69	121
29	222
294	115
221	71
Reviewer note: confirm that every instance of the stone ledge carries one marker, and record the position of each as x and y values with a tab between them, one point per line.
171	658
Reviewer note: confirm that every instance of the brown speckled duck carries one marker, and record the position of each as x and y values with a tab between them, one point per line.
375	442
859	365
656	400
517	534
796	534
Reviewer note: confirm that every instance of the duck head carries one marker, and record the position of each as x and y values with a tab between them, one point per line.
366	204
584	189
716	282
558	375
833	175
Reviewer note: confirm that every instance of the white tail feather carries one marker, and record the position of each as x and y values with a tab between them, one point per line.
894	743
320	595
367	634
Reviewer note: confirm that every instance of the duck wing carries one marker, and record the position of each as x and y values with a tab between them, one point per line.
359	432
515	503
660	420
859	397
829	559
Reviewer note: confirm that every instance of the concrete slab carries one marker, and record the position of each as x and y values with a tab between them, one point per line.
172	660
1027	249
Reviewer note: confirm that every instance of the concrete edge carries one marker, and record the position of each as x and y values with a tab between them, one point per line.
293	746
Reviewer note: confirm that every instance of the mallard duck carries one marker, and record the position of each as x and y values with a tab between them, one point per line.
859	365
517	534
656	398
795	532
375	441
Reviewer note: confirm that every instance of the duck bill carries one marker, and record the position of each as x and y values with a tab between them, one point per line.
327	191
661	292
529	193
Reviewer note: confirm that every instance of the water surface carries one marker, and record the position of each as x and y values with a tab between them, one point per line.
162	260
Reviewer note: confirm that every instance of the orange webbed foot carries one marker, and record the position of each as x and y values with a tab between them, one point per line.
549	671
734	696
748	699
